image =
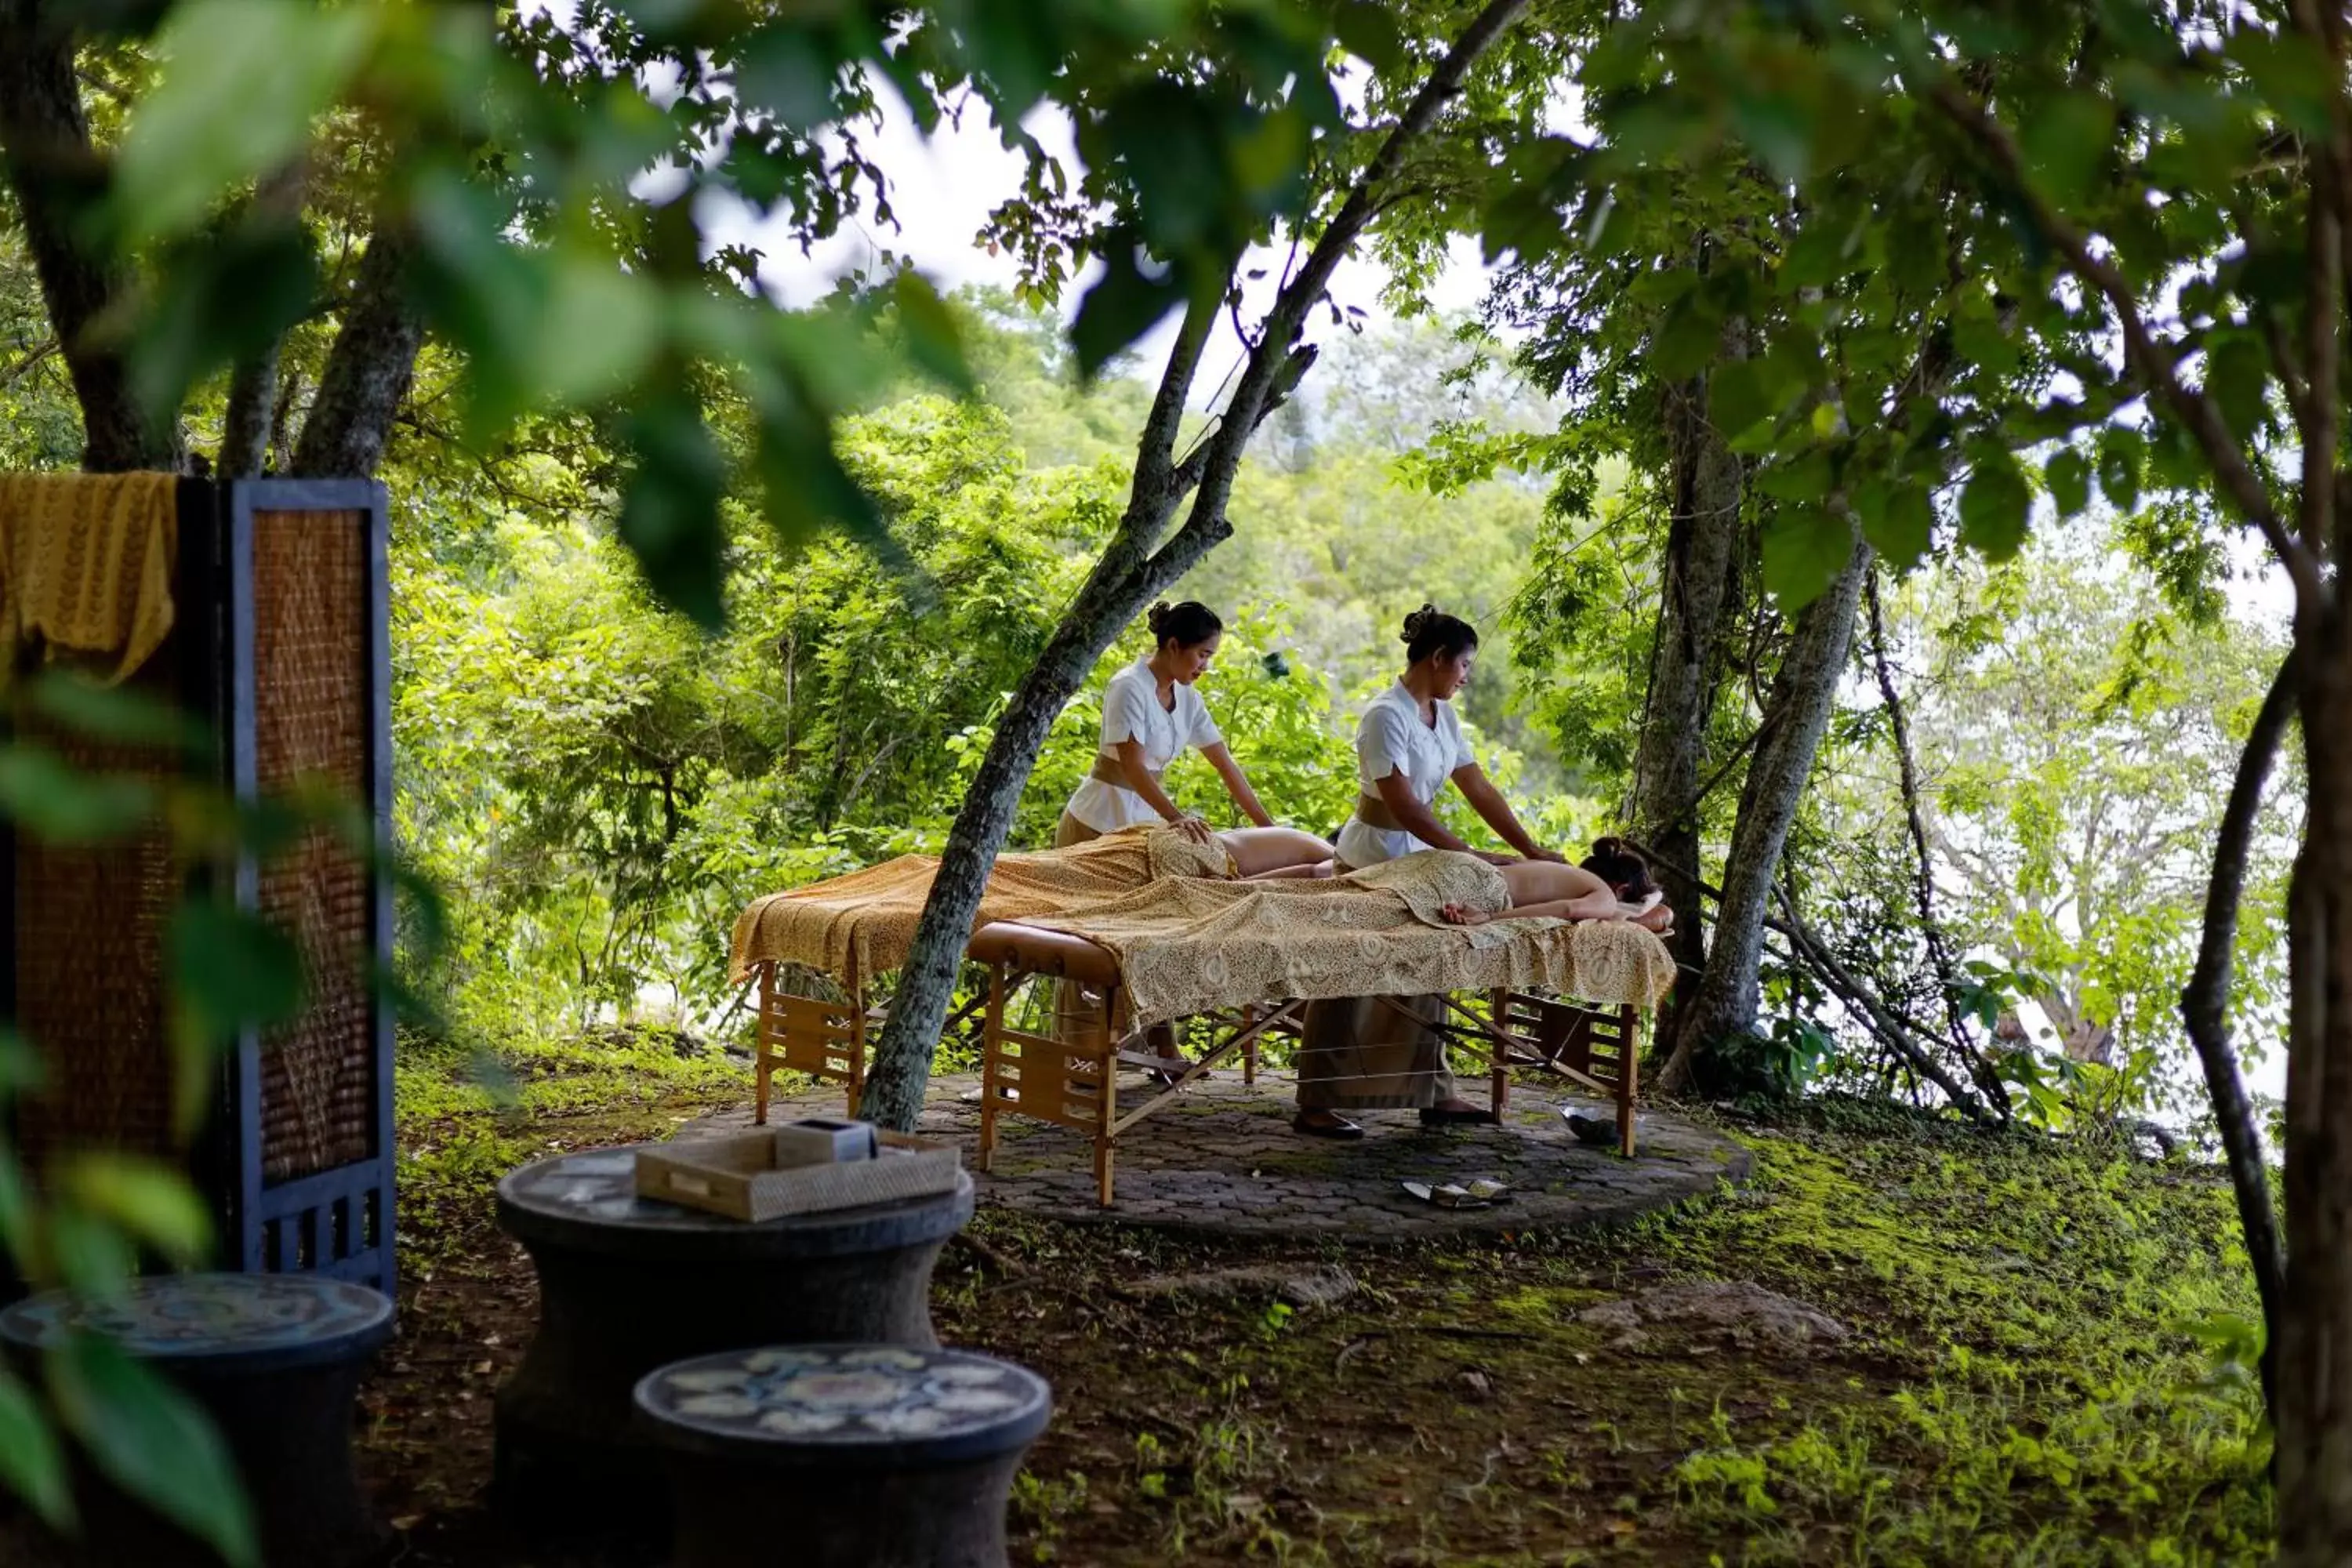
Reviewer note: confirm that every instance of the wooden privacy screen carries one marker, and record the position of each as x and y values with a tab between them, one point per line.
281	643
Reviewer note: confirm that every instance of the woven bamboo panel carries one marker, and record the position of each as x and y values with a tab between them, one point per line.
313	709
1047	1079
88	925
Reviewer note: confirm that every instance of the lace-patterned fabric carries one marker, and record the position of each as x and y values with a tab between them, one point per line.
1185	946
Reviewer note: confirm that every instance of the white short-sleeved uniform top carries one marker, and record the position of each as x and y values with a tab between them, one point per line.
1392	738
1131	712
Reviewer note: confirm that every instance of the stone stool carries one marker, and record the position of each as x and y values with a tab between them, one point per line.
842	1456
275	1360
628	1284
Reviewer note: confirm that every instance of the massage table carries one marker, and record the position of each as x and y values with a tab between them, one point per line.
1244	957
1073	1083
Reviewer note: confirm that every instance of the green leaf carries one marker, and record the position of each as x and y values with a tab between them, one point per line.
669	513
240	83
1739	397
2064	138
32	1461
1369	31
1689	341
2294	77
85	1253
116	713
933	338
1122	306
2068	475
152	1201
2238	378
20	1064
154	1442
1779	127
1978	337
1996	507
55	801
2122	454
1898	519
595	329
232	970
219	299
1804	478
1804	550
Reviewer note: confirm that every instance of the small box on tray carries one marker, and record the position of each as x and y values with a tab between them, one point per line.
804	1167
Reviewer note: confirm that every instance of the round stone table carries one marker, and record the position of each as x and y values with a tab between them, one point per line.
275	1360
842	1456
629	1284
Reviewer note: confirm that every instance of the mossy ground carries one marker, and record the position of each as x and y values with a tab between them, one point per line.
2047	1364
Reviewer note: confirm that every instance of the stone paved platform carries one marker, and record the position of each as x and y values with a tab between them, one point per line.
1225	1161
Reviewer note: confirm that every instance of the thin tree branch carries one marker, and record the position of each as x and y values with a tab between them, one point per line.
2154	360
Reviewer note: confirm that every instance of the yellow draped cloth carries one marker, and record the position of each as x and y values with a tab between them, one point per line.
86	566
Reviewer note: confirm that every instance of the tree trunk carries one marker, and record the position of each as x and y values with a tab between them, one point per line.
57	177
1130	573
1698	606
368	371
2313	1453
251	418
2204	1010
1803	694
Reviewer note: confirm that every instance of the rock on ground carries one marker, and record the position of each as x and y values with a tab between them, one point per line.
1299	1287
1739	1310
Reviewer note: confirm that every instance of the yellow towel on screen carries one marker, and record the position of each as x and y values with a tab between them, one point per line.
86	567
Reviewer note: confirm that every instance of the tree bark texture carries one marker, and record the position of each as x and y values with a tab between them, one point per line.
57	175
250	421
2313	1351
1803	694
1700	602
1124	580
369	369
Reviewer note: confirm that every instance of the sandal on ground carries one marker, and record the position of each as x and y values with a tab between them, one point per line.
1338	1126
1457	1116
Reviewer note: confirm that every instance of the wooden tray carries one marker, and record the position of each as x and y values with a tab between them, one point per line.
737	1176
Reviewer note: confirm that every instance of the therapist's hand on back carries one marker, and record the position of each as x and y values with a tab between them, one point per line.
1554	856
1194	828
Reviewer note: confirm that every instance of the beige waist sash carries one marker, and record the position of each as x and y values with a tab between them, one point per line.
1109	772
1374	813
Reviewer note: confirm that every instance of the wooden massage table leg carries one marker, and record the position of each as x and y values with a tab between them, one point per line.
991	1044
1499	1057
1629	1074
1106	1104
764	1062
856	987
1249	1052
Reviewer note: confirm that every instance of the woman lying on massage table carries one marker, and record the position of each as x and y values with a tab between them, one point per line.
1612	884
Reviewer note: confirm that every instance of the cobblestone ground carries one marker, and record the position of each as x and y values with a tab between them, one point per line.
1223	1160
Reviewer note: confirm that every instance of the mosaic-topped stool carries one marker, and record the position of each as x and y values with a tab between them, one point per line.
628	1284
842	1456
275	1360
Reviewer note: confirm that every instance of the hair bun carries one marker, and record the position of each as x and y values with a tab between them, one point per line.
1416	620
1609	846
1158	617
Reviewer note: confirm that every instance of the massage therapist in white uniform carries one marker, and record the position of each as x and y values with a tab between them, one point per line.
1359	1053
1149	712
